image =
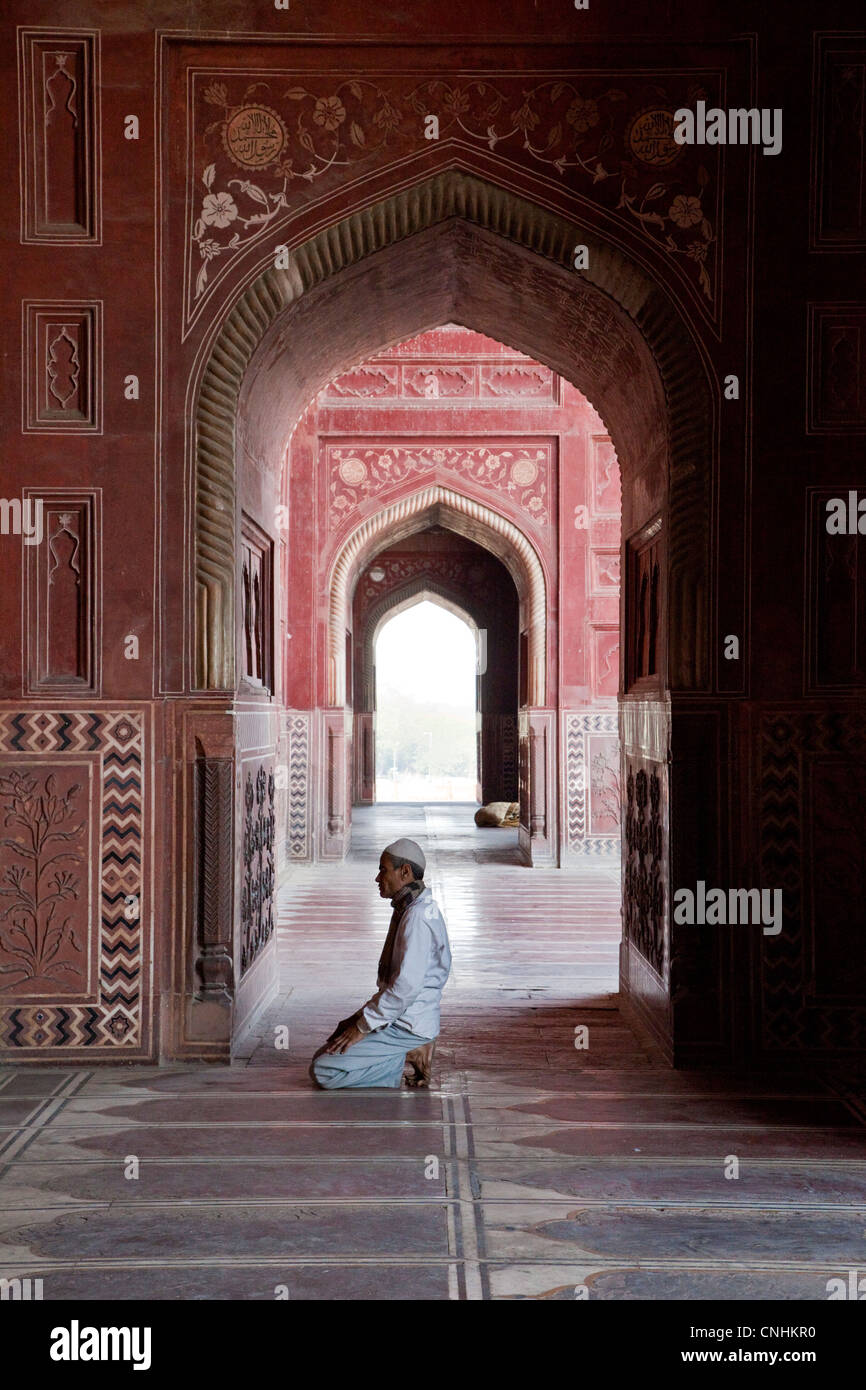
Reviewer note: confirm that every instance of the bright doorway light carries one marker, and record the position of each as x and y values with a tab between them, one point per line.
426	660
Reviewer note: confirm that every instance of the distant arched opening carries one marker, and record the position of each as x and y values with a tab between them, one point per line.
462	576
427	660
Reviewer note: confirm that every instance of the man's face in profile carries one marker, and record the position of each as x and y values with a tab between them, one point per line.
391	880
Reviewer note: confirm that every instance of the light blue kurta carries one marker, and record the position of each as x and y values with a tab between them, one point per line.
404	1011
413	968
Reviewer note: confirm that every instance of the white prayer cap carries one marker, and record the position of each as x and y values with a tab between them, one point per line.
407	849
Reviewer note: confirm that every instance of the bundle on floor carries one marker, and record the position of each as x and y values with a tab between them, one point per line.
497	813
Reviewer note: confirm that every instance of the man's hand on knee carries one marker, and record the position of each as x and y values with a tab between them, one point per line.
347	1035
342	1026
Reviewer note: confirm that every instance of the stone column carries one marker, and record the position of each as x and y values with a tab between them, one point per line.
364	760
214	813
198	998
538	781
334	831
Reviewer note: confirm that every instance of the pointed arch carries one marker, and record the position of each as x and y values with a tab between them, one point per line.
445	507
502	265
415	592
398	601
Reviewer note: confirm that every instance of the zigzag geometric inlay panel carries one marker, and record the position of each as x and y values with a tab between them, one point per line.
591	790
299	785
74	928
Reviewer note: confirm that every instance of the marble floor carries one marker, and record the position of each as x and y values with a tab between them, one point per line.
534	1168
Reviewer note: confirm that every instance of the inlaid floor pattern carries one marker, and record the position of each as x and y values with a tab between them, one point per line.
533	1169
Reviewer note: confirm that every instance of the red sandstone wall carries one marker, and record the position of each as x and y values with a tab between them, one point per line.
767	747
504	430
453	407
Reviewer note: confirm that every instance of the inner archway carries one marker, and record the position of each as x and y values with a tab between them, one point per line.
458	250
435	506
462	576
441	508
426	663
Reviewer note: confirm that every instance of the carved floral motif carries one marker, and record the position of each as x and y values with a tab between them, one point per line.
598	138
257	893
644	884
604	781
521	473
35	928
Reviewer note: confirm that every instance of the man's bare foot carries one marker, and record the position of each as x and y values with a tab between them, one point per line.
420	1059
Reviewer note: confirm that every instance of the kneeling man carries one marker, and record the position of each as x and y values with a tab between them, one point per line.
401	1021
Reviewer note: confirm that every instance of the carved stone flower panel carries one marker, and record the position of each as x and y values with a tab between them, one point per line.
643	853
257	852
604	784
74	921
263	149
520	474
591	791
47	869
